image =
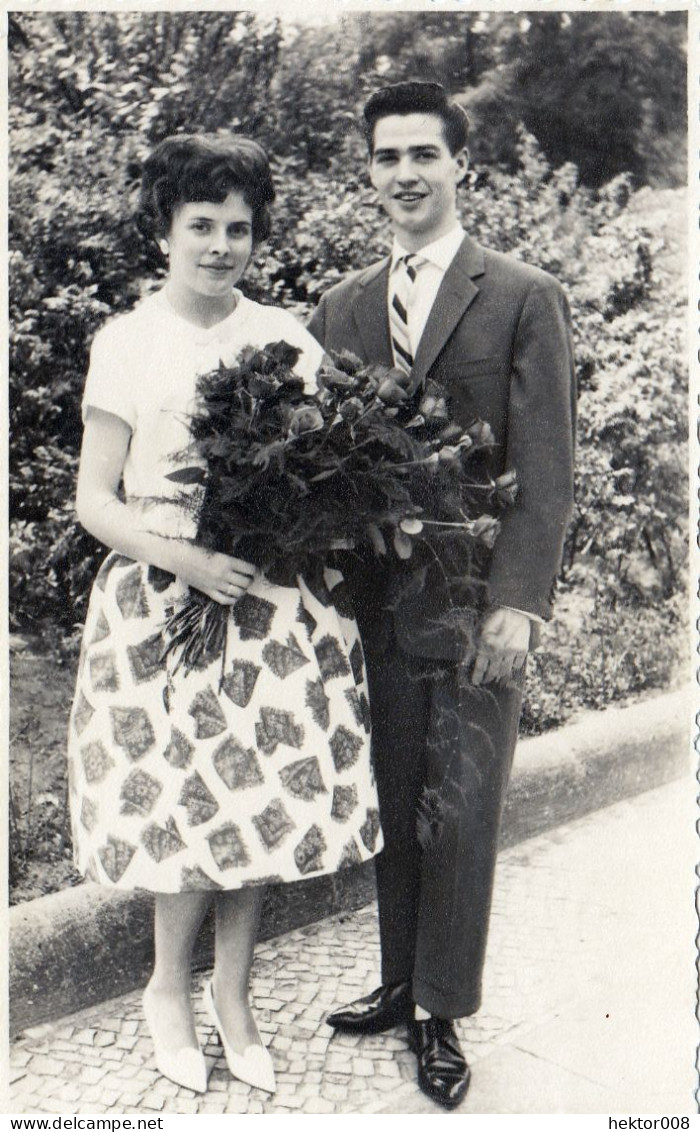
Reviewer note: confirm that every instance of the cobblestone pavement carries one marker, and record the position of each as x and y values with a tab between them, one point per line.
588	998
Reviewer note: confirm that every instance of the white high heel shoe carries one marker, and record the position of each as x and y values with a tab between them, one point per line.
185	1066
254	1065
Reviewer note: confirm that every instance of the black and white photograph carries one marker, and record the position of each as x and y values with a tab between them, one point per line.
351	664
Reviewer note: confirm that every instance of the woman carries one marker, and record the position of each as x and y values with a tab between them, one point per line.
194	786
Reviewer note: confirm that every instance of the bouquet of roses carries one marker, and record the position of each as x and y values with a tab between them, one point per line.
287	476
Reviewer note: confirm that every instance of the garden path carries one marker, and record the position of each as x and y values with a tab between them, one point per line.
589	999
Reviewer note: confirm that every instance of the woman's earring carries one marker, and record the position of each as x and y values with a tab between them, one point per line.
163	245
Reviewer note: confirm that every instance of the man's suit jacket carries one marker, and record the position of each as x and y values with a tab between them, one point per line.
498	341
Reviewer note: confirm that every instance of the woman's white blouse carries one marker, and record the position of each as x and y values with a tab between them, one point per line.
144	367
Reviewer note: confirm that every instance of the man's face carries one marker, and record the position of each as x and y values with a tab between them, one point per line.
416	176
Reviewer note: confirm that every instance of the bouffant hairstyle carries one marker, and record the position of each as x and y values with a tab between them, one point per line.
188	168
418	98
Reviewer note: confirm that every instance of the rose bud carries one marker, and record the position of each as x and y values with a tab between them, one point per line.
351	409
411	526
284	354
331	378
480	432
402	544
440	410
507	487
291	380
256	360
448	456
391	393
376	538
452	432
265	363
347	362
427	404
376	373
305	419
261	386
400	376
486	530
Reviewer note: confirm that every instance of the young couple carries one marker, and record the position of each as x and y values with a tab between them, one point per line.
175	785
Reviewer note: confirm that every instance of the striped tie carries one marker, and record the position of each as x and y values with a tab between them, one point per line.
402	280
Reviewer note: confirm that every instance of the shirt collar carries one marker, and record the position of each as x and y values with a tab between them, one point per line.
220	332
440	253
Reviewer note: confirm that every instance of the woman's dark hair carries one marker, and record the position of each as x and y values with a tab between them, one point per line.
417	97
187	168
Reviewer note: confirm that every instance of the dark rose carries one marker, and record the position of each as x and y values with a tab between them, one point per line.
283	354
433	407
331	378
452	432
351	409
261	386
480	432
449	456
400	376
346	361
507	487
390	392
486	530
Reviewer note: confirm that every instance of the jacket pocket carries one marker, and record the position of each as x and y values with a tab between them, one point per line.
479	367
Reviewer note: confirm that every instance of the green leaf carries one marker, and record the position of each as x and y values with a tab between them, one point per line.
323	475
188	475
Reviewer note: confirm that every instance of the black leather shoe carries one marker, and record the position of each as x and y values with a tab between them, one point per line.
443	1073
385	1007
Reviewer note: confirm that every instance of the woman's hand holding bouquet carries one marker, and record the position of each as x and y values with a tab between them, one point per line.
220	577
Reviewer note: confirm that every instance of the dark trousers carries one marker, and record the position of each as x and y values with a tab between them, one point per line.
432	728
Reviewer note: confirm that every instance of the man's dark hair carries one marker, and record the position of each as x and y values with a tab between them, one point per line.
190	167
418	98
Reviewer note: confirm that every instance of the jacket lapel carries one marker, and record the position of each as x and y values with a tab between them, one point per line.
457	292
369	310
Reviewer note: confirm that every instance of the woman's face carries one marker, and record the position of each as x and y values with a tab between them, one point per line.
209	246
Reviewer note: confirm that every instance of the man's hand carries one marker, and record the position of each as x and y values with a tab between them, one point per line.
502	647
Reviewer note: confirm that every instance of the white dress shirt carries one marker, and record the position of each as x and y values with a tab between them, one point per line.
438	257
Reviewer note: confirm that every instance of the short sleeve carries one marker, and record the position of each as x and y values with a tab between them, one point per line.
110	380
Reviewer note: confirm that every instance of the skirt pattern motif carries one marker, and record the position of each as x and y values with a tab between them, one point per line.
252	770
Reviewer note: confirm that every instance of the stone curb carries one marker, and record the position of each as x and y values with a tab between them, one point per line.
86	944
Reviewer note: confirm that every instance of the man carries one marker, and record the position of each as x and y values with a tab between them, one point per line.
494	334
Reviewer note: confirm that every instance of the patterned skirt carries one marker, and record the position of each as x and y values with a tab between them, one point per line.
251	769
